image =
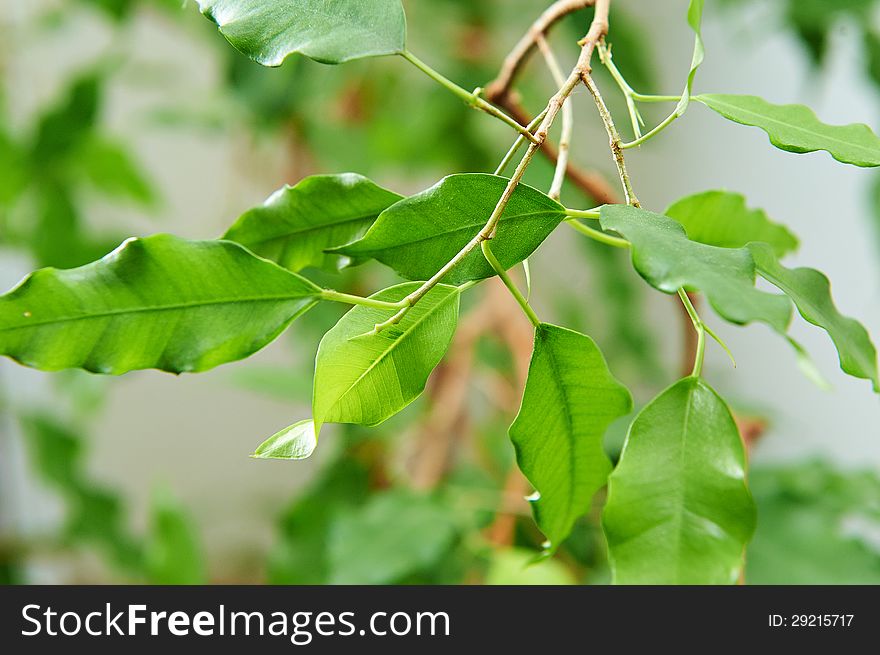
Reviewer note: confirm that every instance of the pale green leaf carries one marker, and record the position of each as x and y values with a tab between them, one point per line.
678	509
296	224
363	377
796	128
569	401
811	292
328	31
296	441
397	533
668	260
721	218
418	235
517	566
159	302
695	20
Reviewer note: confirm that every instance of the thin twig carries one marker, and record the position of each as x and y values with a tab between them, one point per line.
567	120
598	29
500	87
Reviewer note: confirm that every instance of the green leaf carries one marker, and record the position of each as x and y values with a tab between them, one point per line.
695	20
362	377
721	218
517	566
569	401
668	260
173	555
418	235
159	302
297	441
678	509
111	170
811	292
795	128
328	31
397	533
296	224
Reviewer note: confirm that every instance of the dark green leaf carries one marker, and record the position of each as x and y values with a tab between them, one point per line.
296	224
569	401
811	292
362	377
160	302
795	128
329	31
297	441
721	218
397	533
668	260
418	235
678	509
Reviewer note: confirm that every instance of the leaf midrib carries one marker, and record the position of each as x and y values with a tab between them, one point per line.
158	309
315	228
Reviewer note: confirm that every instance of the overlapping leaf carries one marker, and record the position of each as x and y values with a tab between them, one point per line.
328	31
811	292
418	235
296	224
569	401
796	128
159	302
678	509
668	260
363	377
721	218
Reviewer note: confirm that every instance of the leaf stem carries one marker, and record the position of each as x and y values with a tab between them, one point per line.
642	97
583	213
634	116
338	296
567	119
514	291
521	139
597	235
471	98
700	327
650	135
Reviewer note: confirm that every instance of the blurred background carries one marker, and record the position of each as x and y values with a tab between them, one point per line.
130	117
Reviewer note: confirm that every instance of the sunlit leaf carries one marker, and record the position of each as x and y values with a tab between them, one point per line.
678	510
569	401
159	302
418	235
363	377
329	31
721	218
517	566
296	224
297	441
796	128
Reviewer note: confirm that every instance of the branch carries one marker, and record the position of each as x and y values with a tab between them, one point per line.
567	121
497	90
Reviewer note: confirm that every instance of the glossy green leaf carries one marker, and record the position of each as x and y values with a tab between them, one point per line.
397	533
678	509
418	235
297	441
328	31
362	377
811	292
796	128
159	302
173	555
721	218
569	401
296	224
668	260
